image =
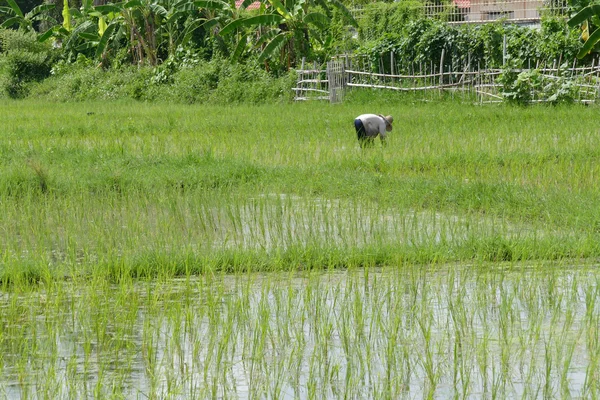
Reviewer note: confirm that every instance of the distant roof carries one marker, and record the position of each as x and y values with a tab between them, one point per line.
463	3
252	6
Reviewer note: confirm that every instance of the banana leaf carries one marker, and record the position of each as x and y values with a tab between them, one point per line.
105	38
280	9
586	13
317	19
66	16
239	49
266	19
273	46
15	8
589	44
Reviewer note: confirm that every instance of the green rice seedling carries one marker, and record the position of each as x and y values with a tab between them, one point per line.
189	251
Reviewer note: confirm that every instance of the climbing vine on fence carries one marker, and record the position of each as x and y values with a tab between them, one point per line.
422	41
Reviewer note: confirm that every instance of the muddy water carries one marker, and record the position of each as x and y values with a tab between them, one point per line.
403	332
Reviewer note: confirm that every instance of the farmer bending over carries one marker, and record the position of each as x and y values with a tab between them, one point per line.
368	126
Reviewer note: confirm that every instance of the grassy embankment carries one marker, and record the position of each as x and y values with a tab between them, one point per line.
129	188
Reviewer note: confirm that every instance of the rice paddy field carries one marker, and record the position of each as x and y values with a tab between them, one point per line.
257	252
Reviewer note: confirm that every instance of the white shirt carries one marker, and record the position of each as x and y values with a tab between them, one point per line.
374	125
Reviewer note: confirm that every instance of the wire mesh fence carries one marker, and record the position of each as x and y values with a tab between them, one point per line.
481	11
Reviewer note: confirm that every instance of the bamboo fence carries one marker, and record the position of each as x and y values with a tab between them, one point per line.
468	82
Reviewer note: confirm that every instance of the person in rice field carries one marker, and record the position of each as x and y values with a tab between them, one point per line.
369	126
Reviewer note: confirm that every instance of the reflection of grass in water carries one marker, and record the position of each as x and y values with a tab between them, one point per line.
478	330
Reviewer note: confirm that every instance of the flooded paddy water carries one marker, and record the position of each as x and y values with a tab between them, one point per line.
470	331
72	233
406	330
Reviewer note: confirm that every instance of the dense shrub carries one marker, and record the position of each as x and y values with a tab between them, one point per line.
422	41
222	82
22	60
84	81
378	19
217	81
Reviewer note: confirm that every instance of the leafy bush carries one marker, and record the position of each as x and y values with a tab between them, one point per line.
84	81
421	42
521	87
379	19
216	81
219	81
22	60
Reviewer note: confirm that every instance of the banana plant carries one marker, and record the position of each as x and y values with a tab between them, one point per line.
584	18
26	21
185	17
287	28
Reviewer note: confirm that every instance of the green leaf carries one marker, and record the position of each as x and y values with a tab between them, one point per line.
75	33
342	8
211	4
86	5
185	6
245	4
325	6
273	46
133	4
40	9
66	16
317	19
181	3
266	19
105	38
281	9
15	8
589	44
187	34
585	13
239	49
75	13
101	25
265	37
11	21
296	6
46	35
158	10
108	8
86	46
89	36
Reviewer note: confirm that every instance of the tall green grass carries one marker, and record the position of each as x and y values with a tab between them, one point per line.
145	188
164	251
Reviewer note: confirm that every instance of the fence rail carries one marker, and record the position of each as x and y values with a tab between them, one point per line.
474	83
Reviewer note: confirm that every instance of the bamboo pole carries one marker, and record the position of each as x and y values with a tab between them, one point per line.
441	71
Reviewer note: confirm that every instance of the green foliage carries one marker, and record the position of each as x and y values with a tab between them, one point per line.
589	19
221	82
379	19
197	81
22	60
11	40
521	87
421	42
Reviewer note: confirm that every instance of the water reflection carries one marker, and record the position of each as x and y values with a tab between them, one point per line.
403	332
